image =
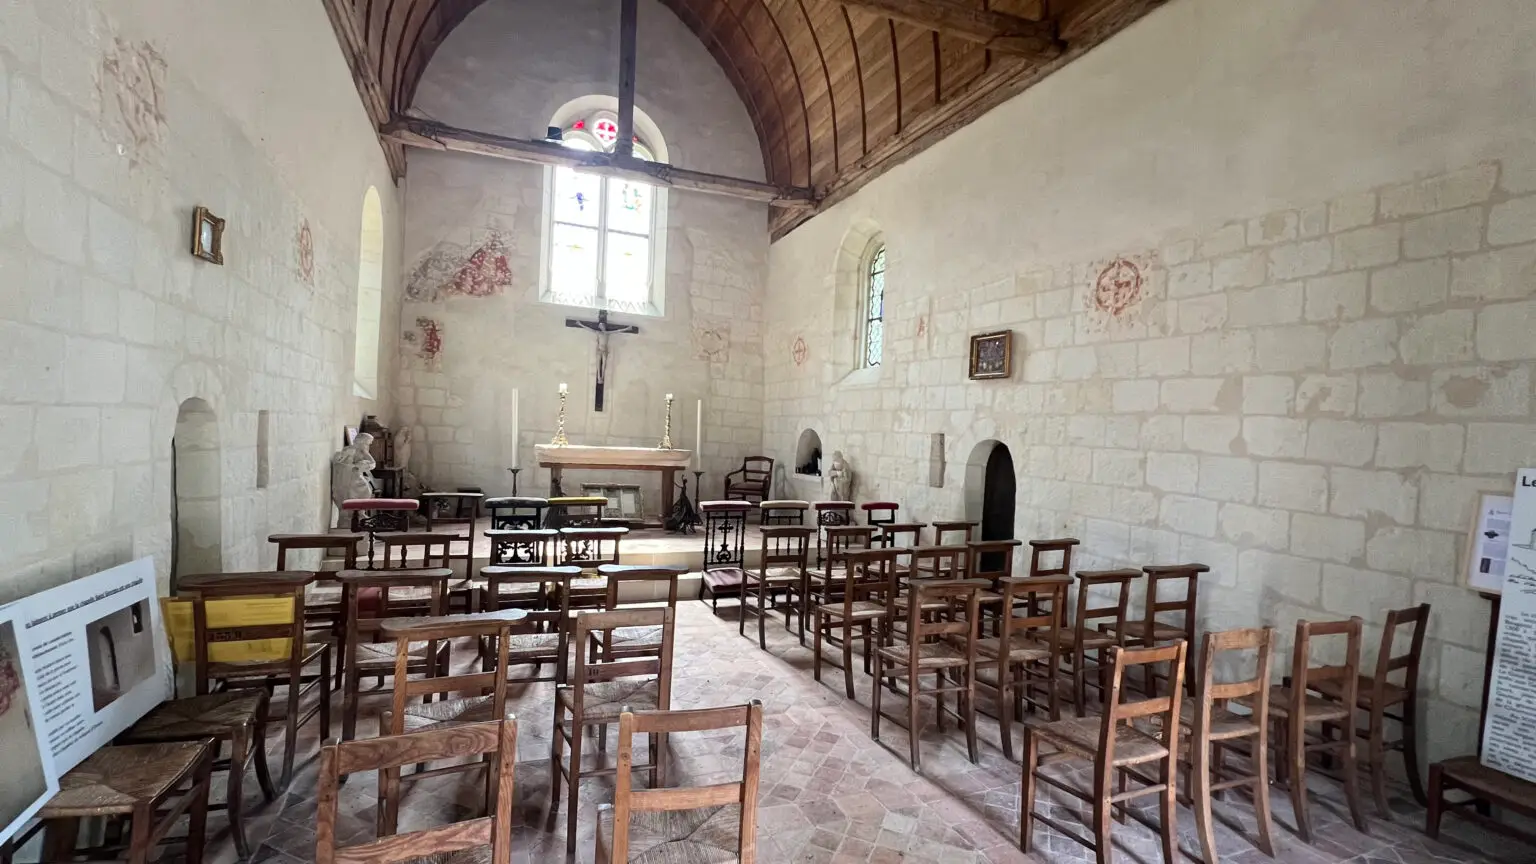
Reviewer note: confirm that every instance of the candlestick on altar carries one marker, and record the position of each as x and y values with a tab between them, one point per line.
517	431
559	440
514	480
666	435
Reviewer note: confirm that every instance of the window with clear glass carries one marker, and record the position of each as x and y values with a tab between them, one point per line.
874	307
602	229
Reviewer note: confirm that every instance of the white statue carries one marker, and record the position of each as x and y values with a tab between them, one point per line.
349	470
403	448
841	476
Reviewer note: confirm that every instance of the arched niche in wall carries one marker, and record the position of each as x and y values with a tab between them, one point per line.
808	454
990	489
196	499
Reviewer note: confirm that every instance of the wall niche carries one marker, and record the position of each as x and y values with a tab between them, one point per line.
808	454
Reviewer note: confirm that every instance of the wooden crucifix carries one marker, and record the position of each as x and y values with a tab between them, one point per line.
603	328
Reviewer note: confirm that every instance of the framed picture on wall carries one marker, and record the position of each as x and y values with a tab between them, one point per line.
992	355
207	236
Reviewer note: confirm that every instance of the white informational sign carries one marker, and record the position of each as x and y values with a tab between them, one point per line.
1509	729
29	778
1488	547
99	658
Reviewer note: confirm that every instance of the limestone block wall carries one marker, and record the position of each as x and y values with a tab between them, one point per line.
116	119
463	354
1269	268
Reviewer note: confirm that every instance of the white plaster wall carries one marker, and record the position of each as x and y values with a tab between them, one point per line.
1331	203
107	323
508	69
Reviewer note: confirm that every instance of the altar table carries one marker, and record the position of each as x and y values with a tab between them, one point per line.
582	457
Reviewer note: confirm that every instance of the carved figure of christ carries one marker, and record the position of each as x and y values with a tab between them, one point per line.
602	328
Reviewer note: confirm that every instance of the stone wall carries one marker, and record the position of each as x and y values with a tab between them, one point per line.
1269	270
116	119
508	69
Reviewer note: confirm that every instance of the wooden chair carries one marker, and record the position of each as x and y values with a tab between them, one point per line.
952	533
446	509
516	513
150	785
1307	701
868	602
830	514
211	675
575	511
750	481
943	643
378	516
525	547
1154	628
1040	549
633	580
1117	749
511	550
725	550
1377	695
879	513
901	535
1085	636
598	693
372	596
781	571
343	541
1026	648
784	512
1210	728
589	549
496	739
690	824
939	562
236	716
991	561
404	716
543	635
823	581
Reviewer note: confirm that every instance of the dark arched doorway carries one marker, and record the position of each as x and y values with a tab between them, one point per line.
990	490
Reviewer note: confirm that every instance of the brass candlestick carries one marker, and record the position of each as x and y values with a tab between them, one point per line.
559	440
666	435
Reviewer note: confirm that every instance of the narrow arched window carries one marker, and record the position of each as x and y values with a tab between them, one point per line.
602	231
370	298
874	305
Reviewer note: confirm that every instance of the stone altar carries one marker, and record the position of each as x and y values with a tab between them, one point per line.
558	458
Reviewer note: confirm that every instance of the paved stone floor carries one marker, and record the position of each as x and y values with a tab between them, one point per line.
829	793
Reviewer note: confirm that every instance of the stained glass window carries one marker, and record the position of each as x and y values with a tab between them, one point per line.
874	308
601	228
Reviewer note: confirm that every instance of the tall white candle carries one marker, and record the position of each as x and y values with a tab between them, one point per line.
517	428
562	387
698	436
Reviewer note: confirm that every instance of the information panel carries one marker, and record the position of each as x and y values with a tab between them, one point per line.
1509	731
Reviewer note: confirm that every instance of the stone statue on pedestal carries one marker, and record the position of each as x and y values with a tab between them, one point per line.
841	476
349	470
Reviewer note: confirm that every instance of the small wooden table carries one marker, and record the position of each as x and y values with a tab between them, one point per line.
668	462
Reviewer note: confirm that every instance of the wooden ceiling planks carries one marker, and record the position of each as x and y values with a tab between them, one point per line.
836	93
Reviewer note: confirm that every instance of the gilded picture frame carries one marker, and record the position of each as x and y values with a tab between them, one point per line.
207	236
991	355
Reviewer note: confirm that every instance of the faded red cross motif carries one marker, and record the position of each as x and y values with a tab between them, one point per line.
1118	287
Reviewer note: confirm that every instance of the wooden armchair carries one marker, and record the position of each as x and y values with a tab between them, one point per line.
750	481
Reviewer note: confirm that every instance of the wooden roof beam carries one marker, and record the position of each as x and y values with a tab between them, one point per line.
998	31
431	135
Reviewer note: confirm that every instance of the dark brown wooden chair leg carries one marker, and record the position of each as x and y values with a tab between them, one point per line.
1436	801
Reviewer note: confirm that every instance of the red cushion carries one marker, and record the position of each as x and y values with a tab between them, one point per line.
881	505
380	504
833	505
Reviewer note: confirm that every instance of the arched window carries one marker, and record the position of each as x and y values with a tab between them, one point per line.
370	298
602	232
874	305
